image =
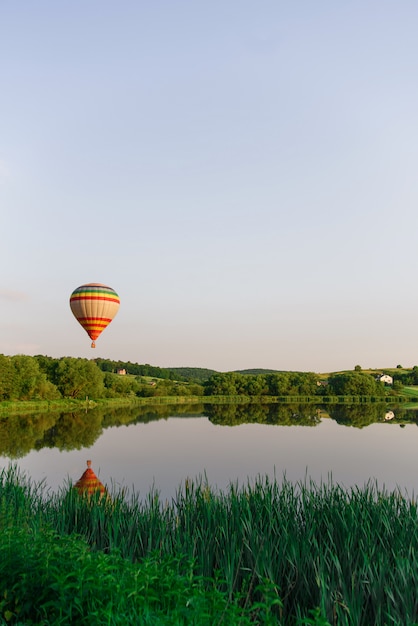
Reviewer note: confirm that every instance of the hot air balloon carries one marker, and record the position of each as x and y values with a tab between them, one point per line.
94	306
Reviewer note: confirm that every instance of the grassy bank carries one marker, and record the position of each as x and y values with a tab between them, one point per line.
74	404
268	553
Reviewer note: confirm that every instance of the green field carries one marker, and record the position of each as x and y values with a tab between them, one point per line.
410	392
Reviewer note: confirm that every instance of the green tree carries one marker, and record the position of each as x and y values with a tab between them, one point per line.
250	385
354	384
278	384
221	384
303	383
414	375
46	364
6	377
29	382
120	386
76	378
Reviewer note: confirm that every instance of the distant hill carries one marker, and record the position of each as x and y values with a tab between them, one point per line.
201	375
184	374
192	374
257	371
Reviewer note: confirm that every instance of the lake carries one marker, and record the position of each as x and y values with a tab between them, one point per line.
162	446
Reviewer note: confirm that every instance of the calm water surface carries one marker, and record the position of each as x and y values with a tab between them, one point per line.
162	453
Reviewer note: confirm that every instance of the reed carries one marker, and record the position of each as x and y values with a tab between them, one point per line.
270	552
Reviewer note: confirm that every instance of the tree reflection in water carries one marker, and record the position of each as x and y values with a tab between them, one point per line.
72	431
279	414
19	434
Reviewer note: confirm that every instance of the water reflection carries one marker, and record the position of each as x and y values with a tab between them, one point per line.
88	483
162	445
359	415
279	414
73	431
19	434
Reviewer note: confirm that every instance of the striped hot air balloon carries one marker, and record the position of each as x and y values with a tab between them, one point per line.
94	306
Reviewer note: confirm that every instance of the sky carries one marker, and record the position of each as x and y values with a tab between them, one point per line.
243	174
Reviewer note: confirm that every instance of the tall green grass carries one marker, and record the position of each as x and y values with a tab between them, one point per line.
268	553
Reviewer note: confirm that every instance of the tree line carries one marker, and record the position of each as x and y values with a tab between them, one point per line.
293	384
45	378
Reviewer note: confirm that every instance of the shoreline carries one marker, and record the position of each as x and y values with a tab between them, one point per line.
67	405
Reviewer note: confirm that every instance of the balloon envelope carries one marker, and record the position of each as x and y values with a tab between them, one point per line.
94	306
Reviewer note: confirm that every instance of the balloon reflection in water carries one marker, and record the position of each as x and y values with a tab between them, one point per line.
89	484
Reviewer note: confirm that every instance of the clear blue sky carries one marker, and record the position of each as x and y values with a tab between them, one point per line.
243	174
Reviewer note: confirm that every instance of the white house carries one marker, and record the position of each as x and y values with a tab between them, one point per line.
385	378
